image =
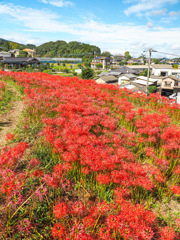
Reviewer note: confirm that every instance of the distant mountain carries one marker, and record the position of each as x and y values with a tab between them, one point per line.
7	45
62	48
54	49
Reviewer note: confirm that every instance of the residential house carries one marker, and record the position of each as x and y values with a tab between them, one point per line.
126	78
141	82
103	74
115	60
5	54
105	61
134	87
122	70
138	68
31	52
107	79
135	60
164	70
169	85
14	52
20	61
155	81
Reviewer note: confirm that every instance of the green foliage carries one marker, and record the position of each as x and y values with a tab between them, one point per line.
9	45
106	54
47	71
156	61
74	73
43	66
6	101
22	53
144	73
79	65
87	73
152	89
1	66
99	65
87	62
61	48
175	66
127	55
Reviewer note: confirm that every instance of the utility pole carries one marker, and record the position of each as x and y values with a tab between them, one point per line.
148	73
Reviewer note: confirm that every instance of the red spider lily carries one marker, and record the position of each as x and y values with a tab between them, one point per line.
60	210
78	208
167	233
58	231
7	187
175	190
9	136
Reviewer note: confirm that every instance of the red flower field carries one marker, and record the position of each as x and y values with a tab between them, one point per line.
90	161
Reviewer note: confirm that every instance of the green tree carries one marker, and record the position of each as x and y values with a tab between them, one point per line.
87	73
106	54
156	61
144	73
152	89
22	53
127	55
87	62
175	66
99	65
143	58
79	65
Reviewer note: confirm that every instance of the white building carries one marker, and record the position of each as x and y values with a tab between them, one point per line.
5	54
164	70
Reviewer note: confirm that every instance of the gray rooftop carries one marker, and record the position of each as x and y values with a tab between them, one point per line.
161	66
122	70
109	78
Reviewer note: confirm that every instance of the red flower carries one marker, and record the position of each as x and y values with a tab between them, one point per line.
60	210
58	231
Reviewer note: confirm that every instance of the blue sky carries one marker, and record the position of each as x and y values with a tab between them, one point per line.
115	26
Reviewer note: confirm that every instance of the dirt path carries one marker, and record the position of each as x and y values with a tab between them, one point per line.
9	120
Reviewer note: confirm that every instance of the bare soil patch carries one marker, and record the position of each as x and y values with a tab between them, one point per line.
10	119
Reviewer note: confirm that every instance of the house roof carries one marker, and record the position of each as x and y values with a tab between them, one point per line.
129	75
109	78
122	70
19	60
161	66
14	50
142	82
3	52
134	87
29	50
138	67
103	74
145	78
172	77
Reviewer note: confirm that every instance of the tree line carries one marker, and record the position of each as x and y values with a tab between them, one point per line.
55	49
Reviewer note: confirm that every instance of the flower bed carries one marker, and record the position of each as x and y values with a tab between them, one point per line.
100	158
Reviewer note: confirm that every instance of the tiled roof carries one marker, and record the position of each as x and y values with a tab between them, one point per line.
19	60
161	66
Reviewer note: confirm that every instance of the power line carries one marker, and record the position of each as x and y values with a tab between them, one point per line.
169	54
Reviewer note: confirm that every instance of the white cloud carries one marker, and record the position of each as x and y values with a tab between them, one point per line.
58	3
160	12
149	25
174	14
146	5
118	37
